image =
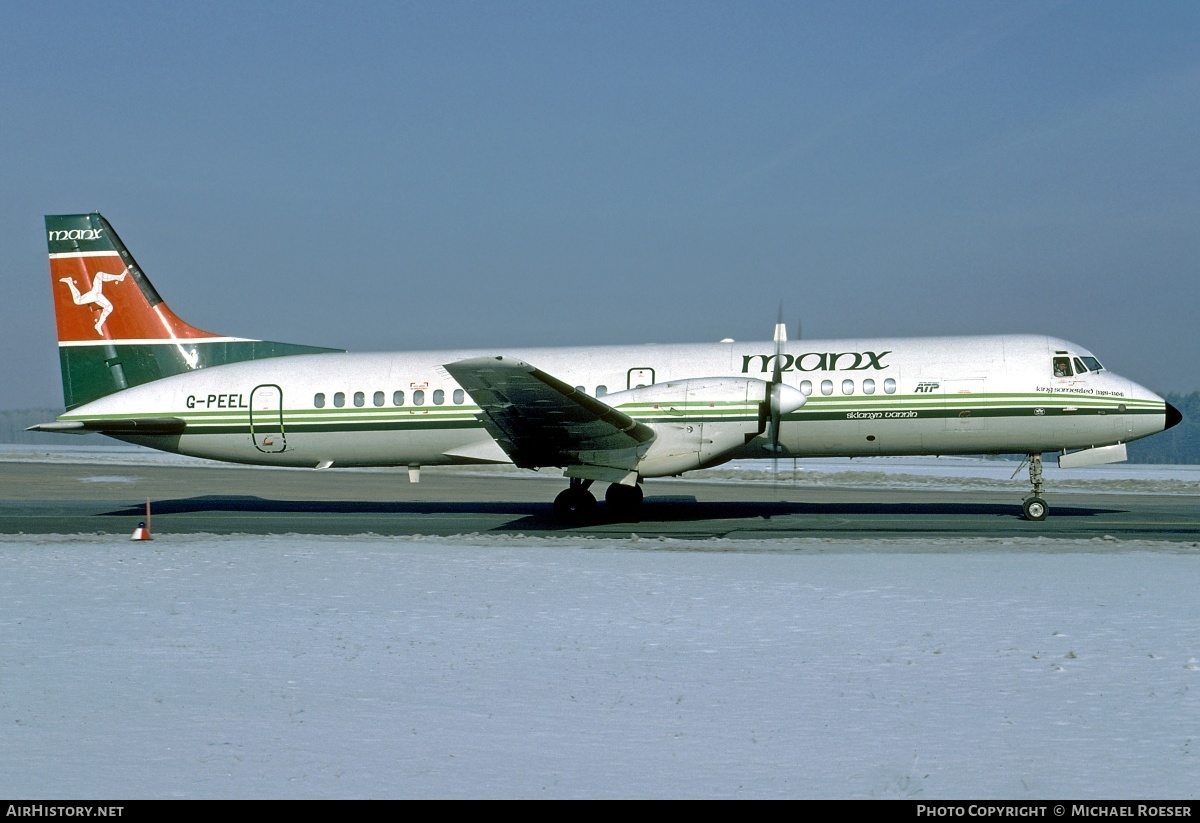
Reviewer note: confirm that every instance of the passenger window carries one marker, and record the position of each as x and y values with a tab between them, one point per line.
419	397
1062	367
601	391
397	398
360	399
319	400
339	399
459	397
581	389
847	387
806	387
868	386
439	397
826	387
378	398
889	386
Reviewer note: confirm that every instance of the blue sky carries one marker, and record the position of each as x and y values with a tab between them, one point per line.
421	175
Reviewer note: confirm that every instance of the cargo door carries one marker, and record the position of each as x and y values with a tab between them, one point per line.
964	403
636	378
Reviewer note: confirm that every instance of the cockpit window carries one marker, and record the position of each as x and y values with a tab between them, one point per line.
1062	367
1079	367
1092	364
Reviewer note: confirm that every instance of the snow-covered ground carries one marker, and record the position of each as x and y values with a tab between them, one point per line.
299	666
510	666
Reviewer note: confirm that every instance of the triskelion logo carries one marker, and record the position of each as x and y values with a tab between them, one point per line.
95	296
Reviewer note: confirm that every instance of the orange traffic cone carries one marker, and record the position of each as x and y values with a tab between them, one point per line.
142	532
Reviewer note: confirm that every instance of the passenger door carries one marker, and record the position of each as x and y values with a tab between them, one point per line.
266	419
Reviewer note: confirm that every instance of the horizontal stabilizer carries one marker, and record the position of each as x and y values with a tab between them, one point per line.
128	425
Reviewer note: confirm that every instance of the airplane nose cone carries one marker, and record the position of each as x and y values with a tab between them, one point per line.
1173	417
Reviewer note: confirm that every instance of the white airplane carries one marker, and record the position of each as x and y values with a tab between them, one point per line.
134	371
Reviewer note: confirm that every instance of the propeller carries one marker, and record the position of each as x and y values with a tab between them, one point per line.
779	399
771	410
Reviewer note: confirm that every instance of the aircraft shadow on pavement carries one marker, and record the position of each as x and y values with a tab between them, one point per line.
654	510
678	510
262	505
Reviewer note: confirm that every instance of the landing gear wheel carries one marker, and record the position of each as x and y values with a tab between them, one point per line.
624	502
1035	508
574	505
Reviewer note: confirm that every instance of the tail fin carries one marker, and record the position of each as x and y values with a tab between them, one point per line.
114	330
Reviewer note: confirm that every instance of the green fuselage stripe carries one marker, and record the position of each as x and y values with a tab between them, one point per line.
846	409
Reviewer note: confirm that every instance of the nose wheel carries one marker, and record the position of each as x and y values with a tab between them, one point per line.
1034	507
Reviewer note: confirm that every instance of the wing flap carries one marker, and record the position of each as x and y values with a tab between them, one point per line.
541	421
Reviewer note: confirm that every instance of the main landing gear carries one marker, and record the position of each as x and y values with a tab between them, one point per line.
576	504
624	502
1034	506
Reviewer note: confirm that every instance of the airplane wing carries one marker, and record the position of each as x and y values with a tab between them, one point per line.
128	425
541	421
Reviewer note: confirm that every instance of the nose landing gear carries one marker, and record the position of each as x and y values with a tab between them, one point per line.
1034	507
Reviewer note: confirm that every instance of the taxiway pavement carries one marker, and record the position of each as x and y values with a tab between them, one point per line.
49	498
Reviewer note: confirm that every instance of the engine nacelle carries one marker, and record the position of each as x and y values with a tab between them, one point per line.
700	421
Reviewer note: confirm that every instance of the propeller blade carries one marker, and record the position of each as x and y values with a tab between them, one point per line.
775	393
780	339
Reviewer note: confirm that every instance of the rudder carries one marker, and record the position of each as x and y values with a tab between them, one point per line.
114	330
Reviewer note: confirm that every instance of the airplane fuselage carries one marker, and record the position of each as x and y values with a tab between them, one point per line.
911	396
